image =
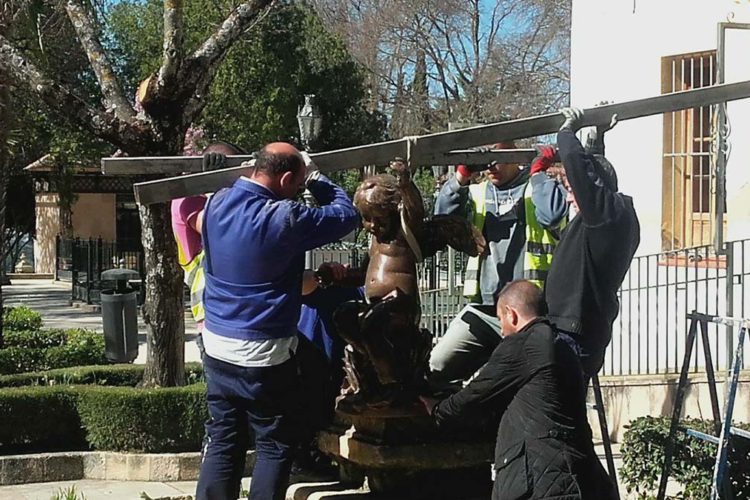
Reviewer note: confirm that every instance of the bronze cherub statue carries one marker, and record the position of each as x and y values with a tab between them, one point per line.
387	352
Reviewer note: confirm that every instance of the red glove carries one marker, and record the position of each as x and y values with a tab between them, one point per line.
464	171
545	158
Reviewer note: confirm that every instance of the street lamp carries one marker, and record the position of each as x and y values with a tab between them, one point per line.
310	122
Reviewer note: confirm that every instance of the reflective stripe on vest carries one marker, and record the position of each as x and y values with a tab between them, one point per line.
540	242
473	265
195	281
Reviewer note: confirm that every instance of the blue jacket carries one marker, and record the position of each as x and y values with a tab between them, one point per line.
254	255
316	319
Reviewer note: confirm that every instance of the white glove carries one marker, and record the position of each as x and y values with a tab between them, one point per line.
573	119
311	169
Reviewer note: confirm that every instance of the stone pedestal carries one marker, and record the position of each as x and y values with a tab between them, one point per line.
401	453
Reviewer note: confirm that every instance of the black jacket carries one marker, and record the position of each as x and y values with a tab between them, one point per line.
593	255
544	447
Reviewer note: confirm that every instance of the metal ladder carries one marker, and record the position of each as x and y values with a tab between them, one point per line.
604	429
723	427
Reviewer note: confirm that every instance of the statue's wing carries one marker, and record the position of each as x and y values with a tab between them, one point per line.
451	230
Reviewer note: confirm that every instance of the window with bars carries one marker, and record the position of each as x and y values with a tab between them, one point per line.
688	166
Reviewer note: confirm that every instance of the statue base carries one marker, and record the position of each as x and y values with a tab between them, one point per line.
401	453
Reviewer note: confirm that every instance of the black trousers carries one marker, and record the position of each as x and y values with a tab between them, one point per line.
264	399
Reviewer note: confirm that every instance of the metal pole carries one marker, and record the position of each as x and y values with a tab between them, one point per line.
729	287
720	156
89	268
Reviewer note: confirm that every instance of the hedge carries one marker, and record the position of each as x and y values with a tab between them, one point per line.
124	375
30	350
21	318
692	463
40	419
34	339
147	420
67	418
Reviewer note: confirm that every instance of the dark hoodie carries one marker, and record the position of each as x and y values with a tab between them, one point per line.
592	257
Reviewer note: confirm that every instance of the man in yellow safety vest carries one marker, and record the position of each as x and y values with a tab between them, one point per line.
520	211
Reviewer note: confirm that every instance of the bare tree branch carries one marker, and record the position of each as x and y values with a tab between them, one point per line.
63	101
84	26
172	48
214	48
200	68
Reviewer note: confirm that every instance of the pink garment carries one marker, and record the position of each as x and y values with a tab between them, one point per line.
184	211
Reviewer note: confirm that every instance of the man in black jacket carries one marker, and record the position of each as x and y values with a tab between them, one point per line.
534	381
595	249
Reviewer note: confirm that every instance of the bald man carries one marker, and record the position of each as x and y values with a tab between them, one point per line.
535	383
255	235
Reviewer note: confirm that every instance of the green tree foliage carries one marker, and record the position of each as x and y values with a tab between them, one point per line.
257	90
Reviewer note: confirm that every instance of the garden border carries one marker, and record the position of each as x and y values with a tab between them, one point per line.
104	465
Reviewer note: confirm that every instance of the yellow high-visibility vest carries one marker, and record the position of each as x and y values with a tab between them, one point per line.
195	281
540	242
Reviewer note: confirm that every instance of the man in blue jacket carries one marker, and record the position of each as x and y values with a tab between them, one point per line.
255	235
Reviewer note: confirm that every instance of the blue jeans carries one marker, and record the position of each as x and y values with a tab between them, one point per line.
265	399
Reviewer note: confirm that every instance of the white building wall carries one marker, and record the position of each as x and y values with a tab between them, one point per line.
617	48
616	51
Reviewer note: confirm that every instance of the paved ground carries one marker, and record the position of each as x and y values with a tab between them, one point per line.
127	490
52	300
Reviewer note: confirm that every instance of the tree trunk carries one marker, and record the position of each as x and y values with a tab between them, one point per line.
163	311
6	119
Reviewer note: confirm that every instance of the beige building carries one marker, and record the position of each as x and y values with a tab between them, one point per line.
103	207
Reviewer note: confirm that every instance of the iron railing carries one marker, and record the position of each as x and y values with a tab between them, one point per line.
648	335
657	294
82	261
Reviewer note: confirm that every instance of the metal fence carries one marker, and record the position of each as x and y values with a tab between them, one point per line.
82	261
648	334
657	294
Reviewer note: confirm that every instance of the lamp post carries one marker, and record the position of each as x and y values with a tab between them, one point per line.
310	122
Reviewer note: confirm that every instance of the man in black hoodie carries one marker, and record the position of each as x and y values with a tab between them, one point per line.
595	249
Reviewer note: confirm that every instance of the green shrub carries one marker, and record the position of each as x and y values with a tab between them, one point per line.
21	318
79	348
20	359
34	339
40	419
123	375
106	418
146	420
692	462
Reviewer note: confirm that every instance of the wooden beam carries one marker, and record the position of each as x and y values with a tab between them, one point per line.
430	146
330	161
431	149
168	189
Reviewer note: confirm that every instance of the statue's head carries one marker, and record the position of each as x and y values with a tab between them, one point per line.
377	199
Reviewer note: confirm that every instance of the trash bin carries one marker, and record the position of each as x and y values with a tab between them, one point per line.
120	316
